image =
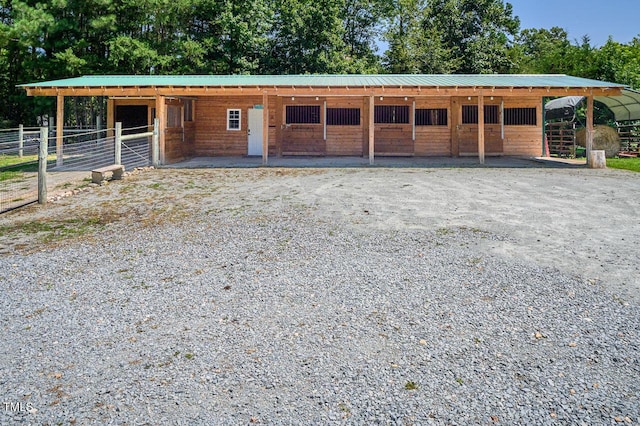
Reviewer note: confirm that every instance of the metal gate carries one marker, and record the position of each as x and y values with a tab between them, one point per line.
18	167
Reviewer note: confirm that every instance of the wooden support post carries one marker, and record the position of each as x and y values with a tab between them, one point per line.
455	110
20	141
413	122
265	129
481	127
161	114
279	125
42	165
372	129
118	144
59	129
324	121
155	152
589	139
111	116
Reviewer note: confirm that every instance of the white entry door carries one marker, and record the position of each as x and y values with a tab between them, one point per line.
254	132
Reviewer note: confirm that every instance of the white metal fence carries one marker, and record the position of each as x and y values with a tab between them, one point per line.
30	158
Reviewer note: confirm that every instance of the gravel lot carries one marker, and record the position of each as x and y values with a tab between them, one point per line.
314	296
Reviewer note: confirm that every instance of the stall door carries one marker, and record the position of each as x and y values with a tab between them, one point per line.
465	130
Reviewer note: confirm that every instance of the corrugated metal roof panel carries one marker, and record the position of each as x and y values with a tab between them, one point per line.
373	80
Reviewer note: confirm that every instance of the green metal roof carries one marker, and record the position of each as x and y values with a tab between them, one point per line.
373	80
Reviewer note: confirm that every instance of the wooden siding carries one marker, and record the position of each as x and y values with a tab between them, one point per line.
524	140
433	140
211	135
346	140
469	139
303	138
467	134
394	139
174	147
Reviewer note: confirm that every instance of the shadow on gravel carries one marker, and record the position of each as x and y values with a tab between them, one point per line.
380	162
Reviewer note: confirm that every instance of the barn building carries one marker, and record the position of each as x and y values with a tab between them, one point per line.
333	115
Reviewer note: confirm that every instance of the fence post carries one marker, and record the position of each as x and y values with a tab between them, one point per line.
42	165
118	144
155	145
20	141
98	127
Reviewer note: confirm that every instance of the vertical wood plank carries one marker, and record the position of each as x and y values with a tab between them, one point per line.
111	116
371	129
279	123
481	127
265	129
413	121
455	126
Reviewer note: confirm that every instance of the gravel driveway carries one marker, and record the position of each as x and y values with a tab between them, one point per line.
326	296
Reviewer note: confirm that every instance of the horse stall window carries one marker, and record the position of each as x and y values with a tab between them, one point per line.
188	110
303	114
343	116
520	117
470	114
431	117
391	114
233	119
174	116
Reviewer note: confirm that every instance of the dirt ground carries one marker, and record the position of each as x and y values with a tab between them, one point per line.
580	221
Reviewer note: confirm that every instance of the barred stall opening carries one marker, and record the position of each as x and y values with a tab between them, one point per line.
303	114
431	117
520	117
391	114
470	114
343	116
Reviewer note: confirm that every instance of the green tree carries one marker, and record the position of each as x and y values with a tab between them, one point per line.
404	37
542	51
475	35
362	20
619	63
307	37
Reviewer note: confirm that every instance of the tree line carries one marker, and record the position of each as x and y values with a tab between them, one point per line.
50	39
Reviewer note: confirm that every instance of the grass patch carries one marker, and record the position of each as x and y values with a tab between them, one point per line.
10	175
53	231
156	185
11	160
13	167
632	164
411	386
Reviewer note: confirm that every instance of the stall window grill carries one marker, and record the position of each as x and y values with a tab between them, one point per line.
174	116
343	116
391	114
431	117
303	114
233	119
188	110
520	117
470	114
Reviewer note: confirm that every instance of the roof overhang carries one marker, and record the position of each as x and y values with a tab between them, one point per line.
327	85
625	105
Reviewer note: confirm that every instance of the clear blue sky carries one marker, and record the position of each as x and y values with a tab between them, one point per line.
596	18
